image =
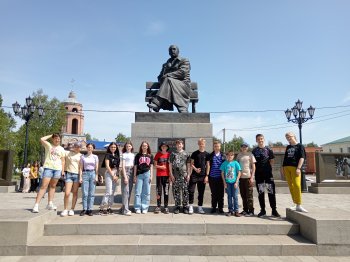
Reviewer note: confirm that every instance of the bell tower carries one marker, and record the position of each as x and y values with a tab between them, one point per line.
74	129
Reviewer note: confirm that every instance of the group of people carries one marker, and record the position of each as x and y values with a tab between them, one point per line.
31	177
185	172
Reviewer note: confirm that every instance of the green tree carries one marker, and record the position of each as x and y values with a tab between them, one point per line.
234	144
277	144
52	122
312	144
7	124
122	138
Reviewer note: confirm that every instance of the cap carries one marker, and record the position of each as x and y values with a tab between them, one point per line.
163	144
244	144
76	144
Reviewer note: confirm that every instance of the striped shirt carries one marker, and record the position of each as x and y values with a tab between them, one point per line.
215	163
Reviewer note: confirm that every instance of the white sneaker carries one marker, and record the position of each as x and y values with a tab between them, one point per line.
138	211
299	208
190	209
293	208
36	208
64	213
128	213
144	211
200	210
51	206
71	212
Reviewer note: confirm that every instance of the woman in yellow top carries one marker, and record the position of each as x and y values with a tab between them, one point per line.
53	169
34	177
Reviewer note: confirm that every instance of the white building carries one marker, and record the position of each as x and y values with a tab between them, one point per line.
338	146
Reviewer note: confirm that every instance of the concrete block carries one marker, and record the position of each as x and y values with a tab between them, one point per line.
322	227
333	250
13	250
13	233
173	229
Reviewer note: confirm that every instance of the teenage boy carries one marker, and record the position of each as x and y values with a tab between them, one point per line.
263	175
198	165
246	182
180	168
214	161
161	162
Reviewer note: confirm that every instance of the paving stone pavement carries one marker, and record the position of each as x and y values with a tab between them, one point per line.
173	259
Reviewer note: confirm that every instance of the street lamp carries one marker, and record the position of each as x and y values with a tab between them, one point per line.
26	112
299	118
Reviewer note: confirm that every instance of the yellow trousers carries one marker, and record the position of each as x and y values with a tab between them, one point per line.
294	183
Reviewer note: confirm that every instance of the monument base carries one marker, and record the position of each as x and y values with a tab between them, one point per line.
168	127
331	187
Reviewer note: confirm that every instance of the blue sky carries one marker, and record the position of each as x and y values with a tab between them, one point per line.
245	56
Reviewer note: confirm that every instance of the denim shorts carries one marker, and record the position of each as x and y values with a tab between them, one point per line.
50	173
71	177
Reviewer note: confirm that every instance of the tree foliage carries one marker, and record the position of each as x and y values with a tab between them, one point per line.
122	138
312	144
52	122
7	124
234	144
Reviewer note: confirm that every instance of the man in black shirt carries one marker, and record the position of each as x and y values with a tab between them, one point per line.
263	175
198	166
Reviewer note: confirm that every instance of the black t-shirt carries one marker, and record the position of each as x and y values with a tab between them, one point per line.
293	154
114	160
143	162
263	157
199	160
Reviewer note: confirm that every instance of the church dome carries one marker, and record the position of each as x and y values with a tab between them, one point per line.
71	98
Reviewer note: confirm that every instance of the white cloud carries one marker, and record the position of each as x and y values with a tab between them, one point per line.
346	98
155	28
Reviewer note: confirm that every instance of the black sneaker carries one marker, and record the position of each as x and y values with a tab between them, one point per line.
243	213
262	213
100	212
89	213
110	211
229	213
250	214
82	213
213	210
275	213
177	210
157	210
166	210
221	211
185	210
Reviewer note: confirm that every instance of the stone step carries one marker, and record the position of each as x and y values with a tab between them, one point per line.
212	245
169	224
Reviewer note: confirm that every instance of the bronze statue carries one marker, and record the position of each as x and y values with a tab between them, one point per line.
175	84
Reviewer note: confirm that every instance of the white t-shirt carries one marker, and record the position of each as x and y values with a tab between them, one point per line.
246	160
26	172
129	159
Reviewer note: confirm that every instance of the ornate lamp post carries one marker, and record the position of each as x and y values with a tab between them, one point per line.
26	112
299	118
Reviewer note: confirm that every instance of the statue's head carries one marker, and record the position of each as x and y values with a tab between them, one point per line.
174	51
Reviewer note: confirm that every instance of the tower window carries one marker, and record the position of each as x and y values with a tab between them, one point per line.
75	126
75	110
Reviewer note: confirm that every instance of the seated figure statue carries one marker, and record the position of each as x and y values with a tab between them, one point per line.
175	84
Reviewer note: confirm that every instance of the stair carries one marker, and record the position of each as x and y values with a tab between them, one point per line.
161	234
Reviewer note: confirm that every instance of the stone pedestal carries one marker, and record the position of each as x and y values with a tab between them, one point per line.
158	127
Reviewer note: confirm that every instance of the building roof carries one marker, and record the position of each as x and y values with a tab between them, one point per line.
339	141
102	145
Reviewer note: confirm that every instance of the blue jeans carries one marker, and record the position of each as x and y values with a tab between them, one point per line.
88	189
142	191
232	196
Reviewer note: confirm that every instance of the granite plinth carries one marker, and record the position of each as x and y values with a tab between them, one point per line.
172	117
156	127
